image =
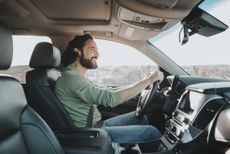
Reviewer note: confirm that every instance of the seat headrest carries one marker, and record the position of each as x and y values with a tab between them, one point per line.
6	47
45	55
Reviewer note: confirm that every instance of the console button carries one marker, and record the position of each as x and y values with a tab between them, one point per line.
185	120
182	118
173	129
168	124
161	147
179	133
170	138
175	114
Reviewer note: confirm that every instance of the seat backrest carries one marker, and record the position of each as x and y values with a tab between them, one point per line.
22	131
40	83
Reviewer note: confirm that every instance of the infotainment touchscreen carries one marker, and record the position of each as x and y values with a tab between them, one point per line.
190	101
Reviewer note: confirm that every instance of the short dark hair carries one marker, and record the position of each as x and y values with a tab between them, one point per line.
69	55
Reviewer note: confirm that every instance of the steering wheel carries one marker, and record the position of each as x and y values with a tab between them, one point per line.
145	100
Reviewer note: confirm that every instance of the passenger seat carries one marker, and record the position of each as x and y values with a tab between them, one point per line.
40	83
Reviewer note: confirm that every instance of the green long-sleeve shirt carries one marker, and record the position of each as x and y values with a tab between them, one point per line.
77	93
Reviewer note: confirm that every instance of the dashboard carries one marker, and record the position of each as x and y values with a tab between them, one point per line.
198	106
179	83
197	123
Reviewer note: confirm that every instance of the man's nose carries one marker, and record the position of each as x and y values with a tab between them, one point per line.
97	53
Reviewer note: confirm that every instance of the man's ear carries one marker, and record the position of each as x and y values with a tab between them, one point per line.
78	51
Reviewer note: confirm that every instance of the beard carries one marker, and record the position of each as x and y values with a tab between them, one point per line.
88	63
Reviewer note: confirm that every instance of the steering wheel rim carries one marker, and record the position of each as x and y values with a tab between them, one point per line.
144	102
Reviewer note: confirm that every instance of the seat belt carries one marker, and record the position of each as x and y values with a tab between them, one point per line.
90	117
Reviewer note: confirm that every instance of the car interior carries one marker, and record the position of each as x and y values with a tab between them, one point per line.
192	112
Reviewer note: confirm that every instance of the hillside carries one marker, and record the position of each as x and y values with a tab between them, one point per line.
125	75
17	71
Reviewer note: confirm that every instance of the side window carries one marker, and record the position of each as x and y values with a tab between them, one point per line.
119	64
23	47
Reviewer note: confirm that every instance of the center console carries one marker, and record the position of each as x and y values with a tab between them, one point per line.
188	129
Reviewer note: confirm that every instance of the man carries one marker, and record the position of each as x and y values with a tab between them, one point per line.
79	95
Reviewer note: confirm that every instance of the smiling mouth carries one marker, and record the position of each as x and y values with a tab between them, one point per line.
94	58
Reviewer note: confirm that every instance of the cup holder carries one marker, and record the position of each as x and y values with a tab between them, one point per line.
128	149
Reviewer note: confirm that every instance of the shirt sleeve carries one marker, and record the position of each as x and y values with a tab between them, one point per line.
81	88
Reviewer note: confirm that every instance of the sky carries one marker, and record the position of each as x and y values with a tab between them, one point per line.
23	47
121	55
198	51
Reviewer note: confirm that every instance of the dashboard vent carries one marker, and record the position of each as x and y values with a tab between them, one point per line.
207	113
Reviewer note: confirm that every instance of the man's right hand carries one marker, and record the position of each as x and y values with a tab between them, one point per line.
154	76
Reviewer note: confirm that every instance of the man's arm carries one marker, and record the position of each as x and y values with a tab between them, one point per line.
132	90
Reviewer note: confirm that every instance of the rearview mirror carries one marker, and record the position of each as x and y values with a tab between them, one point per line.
202	23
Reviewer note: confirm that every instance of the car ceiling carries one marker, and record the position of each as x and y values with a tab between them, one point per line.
130	21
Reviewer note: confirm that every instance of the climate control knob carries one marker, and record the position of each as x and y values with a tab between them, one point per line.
173	129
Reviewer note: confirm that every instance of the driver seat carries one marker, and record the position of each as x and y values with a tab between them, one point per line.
22	131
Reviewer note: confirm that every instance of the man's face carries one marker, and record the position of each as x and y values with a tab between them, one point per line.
89	55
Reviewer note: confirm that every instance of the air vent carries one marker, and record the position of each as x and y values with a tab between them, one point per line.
179	88
207	113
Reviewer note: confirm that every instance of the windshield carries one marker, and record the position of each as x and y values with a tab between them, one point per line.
203	56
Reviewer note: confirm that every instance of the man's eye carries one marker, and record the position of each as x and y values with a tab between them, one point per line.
92	50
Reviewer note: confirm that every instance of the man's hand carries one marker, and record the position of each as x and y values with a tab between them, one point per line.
154	76
133	90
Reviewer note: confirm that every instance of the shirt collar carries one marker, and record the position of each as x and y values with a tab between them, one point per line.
71	67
